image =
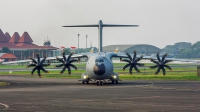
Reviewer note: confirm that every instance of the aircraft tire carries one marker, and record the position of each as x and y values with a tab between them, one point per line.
101	83
97	83
83	82
116	82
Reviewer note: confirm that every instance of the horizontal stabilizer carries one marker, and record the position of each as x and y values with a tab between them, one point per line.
82	25
113	25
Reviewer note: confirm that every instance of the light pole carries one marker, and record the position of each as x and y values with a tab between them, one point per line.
78	42
86	43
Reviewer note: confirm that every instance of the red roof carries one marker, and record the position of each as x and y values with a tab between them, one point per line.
6	44
25	38
23	43
8	36
3	38
15	38
7	55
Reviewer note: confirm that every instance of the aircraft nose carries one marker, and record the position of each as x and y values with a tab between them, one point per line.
99	69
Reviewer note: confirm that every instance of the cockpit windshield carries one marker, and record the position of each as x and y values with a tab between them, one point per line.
99	60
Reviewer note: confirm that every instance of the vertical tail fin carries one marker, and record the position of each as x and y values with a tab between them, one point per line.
92	50
116	50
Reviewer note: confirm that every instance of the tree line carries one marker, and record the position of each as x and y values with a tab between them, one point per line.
184	50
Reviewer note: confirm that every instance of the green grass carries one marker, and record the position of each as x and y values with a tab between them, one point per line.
184	73
82	65
171	75
3	83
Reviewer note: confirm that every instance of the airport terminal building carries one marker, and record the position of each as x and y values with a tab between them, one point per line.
140	48
23	47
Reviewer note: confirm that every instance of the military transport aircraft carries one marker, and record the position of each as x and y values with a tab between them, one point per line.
99	66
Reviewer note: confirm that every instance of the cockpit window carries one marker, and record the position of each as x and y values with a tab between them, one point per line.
99	60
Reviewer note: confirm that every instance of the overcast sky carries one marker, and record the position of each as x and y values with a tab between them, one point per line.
162	22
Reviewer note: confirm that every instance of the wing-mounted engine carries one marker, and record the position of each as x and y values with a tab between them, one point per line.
161	64
38	65
66	63
132	62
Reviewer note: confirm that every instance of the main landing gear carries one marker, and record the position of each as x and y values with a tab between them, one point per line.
99	82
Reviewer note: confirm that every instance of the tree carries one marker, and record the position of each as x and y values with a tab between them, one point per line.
5	50
67	51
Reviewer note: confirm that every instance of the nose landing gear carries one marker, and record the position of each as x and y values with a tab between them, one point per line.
99	82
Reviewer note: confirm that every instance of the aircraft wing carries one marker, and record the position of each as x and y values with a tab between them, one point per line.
173	59
20	61
123	55
49	58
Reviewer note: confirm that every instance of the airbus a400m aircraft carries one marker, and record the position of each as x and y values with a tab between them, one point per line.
99	66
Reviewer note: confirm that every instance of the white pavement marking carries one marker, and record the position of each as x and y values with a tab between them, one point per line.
6	106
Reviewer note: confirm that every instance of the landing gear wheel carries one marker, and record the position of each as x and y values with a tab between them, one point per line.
87	82
113	81
101	83
97	83
83	82
116	82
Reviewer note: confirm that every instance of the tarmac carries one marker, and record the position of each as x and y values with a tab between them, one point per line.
69	95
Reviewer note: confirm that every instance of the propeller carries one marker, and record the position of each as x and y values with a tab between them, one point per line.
38	65
160	64
67	63
132	62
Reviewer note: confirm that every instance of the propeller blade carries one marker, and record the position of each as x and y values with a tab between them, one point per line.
138	59
73	66
168	67
163	70
64	57
126	60
59	65
135	67
38	58
30	65
134	56
158	70
130	70
155	66
163	58
68	58
126	66
44	70
69	70
38	71
64	68
129	56
43	60
33	70
156	62
158	57
60	60
34	61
